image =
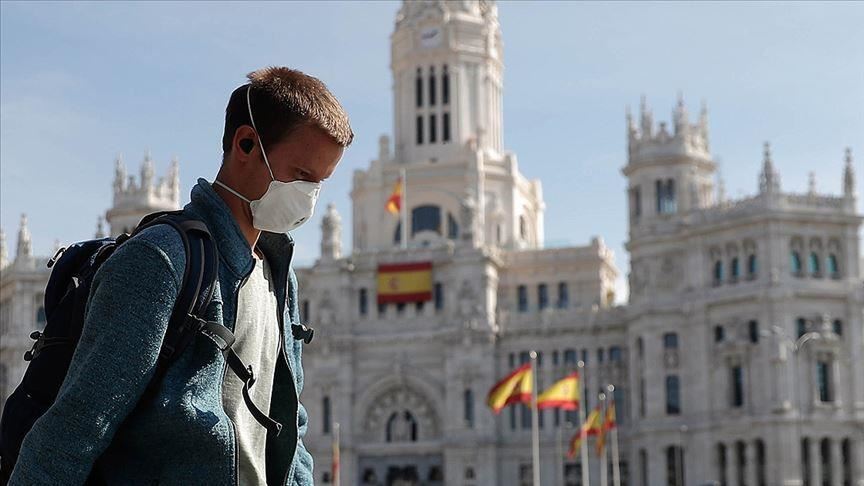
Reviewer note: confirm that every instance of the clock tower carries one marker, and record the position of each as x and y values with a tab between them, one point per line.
447	71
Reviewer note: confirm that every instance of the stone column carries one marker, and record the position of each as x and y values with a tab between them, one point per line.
815	462
750	465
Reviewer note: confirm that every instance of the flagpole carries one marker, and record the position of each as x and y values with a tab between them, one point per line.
403	208
559	449
337	469
582	414
535	427
604	480
616	460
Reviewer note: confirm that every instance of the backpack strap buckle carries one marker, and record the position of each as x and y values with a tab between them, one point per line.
302	332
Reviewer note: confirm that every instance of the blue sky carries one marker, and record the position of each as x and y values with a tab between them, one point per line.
82	82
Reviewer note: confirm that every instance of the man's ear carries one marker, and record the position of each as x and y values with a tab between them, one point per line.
244	145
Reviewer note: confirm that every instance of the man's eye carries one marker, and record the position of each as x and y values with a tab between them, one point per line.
303	174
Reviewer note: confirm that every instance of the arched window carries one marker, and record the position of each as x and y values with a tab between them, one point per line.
425	218
814	263
718	272
795	262
523	227
801	326
833	269
823	381
671	203
734	269
418	88
431	85
751	266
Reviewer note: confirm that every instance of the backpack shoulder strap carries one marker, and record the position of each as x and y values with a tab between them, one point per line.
196	291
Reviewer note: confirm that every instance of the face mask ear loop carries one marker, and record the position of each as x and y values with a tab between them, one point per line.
232	191
257	133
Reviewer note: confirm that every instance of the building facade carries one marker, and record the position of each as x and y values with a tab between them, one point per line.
737	359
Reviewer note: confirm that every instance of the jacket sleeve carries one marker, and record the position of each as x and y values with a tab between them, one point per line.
130	303
304	465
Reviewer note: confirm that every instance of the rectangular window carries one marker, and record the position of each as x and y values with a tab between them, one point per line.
325	415
469	407
512	418
642	397
563	295
438	292
673	395
445	129
432	89
718	334
445	86
522	298
823	381
433	129
542	296
621	410
419	130
675	466
615	354
643	466
363	302
670	340
737	380
418	88
753	328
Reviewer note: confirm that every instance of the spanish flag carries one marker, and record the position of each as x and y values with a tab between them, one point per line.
394	202
591	426
404	282
563	394
514	388
608	424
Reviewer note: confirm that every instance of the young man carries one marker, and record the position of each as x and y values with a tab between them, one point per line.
284	134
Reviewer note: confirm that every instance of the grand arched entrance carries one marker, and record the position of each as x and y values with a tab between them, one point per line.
401	440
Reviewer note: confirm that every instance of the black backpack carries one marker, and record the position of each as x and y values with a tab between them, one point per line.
66	296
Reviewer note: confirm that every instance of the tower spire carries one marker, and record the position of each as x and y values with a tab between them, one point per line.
680	118
119	175
811	183
769	180
848	175
25	244
646	119
100	228
147	172
331	234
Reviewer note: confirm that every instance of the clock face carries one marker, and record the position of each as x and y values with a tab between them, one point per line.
430	37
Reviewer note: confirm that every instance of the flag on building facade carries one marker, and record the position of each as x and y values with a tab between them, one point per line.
404	282
608	424
514	388
591	426
563	394
394	202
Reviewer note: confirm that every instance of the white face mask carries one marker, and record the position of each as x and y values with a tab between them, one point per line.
285	205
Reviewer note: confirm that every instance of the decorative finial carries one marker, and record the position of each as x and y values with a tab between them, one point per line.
119	174
769	180
100	228
811	183
4	256
848	174
331	234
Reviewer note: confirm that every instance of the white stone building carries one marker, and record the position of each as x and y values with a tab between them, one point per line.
713	384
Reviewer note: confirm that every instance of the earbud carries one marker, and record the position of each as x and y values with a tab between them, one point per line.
246	145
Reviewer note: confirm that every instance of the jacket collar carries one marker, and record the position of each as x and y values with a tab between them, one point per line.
234	250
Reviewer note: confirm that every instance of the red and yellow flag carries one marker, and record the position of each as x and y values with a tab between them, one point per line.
591	426
335	465
404	282
608	424
394	202
514	388
563	394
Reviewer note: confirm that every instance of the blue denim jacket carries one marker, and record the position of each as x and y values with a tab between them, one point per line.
182	436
